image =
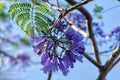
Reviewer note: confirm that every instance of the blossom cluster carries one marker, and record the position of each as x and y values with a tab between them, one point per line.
20	59
79	20
59	49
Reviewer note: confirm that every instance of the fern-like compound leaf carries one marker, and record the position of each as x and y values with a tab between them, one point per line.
31	16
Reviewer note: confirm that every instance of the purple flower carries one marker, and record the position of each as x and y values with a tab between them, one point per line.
75	17
13	61
69	33
77	57
61	26
68	60
63	68
44	56
50	64
117	29
59	50
39	47
100	32
36	40
77	47
24	59
77	37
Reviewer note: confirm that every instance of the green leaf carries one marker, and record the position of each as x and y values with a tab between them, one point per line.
97	9
30	30
25	41
42	23
18	5
18	11
45	10
23	23
21	17
42	16
30	16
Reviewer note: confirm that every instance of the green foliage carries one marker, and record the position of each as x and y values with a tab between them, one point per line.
97	10
25	41
31	16
3	14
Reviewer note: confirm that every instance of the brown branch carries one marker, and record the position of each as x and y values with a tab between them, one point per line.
115	63
66	11
74	27
53	6
108	64
92	61
93	40
49	75
5	54
89	29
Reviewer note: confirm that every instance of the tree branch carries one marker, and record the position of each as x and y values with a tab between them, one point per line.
108	64
92	61
49	75
115	63
5	54
53	6
66	11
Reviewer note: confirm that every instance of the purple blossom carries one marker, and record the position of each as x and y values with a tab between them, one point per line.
13	61
77	47
24	59
77	37
44	56
77	18
69	33
100	32
53	54
68	59
117	31
50	64
61	26
63	68
39	47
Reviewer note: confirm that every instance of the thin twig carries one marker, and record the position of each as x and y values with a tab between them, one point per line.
53	6
101	52
114	64
92	61
49	75
93	40
109	63
5	54
66	11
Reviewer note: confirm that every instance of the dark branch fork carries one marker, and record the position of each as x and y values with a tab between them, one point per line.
67	10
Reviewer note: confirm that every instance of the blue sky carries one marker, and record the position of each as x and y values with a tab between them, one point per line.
85	70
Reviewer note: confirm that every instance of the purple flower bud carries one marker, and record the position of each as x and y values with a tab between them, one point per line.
69	33
13	61
38	47
77	37
50	64
68	60
61	26
63	68
44	57
36	40
25	59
